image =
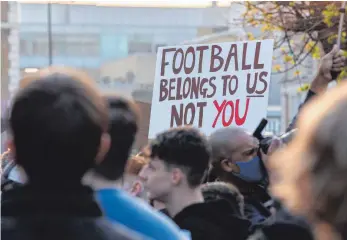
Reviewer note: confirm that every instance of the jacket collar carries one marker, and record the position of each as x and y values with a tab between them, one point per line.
27	200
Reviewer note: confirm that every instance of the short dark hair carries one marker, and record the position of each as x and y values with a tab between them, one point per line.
123	129
220	190
185	147
57	123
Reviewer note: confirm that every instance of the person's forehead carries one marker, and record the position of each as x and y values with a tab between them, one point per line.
243	139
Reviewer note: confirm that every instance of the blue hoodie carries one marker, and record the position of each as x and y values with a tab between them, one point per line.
135	214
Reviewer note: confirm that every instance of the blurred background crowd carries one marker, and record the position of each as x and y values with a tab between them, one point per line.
98	176
116	43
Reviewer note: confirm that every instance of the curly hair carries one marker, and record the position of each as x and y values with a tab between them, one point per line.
221	190
314	166
185	147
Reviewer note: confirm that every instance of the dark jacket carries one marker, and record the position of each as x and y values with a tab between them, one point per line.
284	226
256	201
288	225
212	220
310	94
6	183
257	209
31	214
287	231
282	231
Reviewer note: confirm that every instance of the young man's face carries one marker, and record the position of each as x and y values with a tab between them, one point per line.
158	179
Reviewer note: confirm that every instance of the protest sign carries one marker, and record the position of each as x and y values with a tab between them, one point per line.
211	86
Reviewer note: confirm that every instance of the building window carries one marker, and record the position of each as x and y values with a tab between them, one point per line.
59	48
157	46
139	47
274	125
40	48
24	48
220	29
78	46
62	45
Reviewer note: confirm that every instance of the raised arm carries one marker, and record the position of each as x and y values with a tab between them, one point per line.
332	61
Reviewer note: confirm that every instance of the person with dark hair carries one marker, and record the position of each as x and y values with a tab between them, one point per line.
124	118
14	176
179	161
220	190
107	178
58	125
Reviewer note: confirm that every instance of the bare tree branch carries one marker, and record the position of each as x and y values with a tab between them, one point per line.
316	21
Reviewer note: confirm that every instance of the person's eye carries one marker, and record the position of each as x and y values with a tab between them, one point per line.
250	152
247	153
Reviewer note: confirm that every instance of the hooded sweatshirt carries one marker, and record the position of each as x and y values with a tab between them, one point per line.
213	220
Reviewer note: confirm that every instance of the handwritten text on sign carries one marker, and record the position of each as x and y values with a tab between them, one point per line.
211	86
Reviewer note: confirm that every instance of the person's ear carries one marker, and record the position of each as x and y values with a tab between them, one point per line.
177	176
136	188
11	149
105	144
228	166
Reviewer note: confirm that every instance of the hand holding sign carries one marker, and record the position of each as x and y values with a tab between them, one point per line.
211	86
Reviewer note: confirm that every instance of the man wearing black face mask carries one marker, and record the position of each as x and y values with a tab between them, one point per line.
236	159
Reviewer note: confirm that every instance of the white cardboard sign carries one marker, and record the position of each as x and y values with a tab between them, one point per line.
211	86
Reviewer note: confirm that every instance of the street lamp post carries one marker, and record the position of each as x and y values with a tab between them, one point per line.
49	27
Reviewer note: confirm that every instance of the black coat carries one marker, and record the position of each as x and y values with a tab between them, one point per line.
212	220
30	214
310	95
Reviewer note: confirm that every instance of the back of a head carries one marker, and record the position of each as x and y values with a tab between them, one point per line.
221	142
220	190
185	147
124	117
57	124
314	166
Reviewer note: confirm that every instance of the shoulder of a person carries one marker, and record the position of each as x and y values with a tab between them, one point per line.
195	224
199	229
133	205
137	208
80	228
121	232
258	235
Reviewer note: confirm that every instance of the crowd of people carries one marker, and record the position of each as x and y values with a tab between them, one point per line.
68	173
